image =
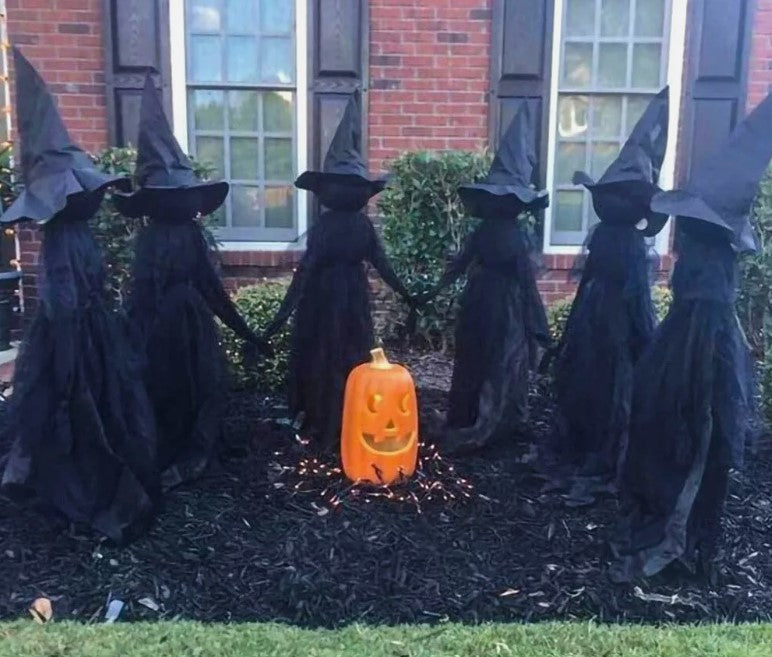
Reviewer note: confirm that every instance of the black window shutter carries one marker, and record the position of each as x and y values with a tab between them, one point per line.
338	40
136	40
521	53
719	49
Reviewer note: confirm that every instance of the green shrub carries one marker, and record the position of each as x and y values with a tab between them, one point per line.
557	316
116	233
257	305
754	302
662	296
424	221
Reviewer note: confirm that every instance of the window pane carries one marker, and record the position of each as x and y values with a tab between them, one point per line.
568	210
577	64
612	65
242	111
210	151
615	18
205	16
606	116
277	111
646	61
635	108
650	18
278	159
275	16
603	154
244	156
206	58
570	158
242	16
242	59
246	206
572	116
276	60
580	18
208	110
279	207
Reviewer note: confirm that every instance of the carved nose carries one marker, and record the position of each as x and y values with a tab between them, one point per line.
390	426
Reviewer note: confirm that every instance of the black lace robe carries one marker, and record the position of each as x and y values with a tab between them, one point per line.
332	330
82	426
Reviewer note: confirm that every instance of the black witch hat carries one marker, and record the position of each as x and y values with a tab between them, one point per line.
722	187
343	163
509	177
631	179
52	166
162	166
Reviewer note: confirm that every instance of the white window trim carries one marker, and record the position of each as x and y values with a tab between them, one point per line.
675	68
180	114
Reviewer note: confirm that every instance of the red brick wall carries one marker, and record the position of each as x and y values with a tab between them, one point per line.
760	66
63	40
429	72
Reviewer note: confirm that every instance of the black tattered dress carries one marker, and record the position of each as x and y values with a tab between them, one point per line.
501	324
691	415
611	321
82	426
174	297
332	329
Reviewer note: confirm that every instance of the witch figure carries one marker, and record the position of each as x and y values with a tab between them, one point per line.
174	295
501	323
612	317
80	420
692	399
332	330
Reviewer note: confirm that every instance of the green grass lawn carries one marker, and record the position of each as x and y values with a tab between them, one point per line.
182	639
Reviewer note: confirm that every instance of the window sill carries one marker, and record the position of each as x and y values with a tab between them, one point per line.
260	257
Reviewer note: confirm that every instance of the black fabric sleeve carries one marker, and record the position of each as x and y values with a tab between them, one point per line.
211	288
458	264
295	290
382	264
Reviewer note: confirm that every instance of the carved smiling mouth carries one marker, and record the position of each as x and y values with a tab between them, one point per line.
387	443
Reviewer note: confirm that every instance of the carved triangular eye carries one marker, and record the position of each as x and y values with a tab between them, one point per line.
374	402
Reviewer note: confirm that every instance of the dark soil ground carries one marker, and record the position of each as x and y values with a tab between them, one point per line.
276	535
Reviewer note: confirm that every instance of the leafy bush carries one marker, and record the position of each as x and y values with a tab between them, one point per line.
662	296
116	233
258	304
423	222
557	316
754	303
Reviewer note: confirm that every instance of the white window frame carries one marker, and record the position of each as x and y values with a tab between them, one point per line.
180	115
675	66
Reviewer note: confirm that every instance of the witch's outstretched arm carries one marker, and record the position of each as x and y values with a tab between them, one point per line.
382	264
221	305
294	292
457	265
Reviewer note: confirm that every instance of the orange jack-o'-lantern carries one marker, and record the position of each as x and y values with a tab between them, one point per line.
379	441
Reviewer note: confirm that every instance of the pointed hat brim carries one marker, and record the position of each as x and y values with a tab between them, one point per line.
44	197
313	181
478	197
141	202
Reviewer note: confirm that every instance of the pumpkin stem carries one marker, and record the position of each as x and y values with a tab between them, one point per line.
379	360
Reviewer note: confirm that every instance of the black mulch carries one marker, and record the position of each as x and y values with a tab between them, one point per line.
276	535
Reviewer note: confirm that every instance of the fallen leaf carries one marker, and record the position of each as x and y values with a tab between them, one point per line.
149	603
41	610
114	610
